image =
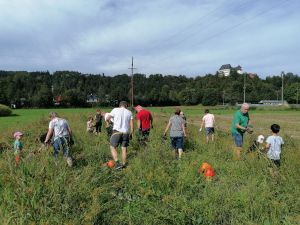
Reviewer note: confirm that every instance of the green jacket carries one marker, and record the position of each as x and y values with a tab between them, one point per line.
241	119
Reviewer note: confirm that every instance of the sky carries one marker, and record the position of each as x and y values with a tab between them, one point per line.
169	37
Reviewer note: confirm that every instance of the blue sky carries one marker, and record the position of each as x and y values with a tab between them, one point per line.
189	37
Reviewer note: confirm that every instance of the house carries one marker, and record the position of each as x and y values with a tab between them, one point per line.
91	98
226	69
273	102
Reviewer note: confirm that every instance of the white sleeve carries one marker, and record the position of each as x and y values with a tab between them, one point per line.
269	140
51	124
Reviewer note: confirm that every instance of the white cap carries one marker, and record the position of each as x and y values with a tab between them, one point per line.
260	139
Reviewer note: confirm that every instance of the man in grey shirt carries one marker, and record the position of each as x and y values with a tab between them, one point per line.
177	132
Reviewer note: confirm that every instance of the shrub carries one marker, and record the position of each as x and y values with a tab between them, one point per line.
5	110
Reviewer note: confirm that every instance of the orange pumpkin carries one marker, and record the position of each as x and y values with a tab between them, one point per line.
204	167
209	173
110	163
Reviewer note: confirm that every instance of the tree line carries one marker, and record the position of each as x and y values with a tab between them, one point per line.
70	88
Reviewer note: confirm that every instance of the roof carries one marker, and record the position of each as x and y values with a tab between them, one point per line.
225	66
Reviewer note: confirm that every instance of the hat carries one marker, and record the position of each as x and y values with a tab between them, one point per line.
260	139
138	108
17	133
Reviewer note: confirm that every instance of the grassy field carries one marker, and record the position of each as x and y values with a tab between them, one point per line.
154	188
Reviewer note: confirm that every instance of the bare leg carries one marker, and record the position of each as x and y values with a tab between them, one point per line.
180	151
207	138
212	137
114	153
124	155
237	151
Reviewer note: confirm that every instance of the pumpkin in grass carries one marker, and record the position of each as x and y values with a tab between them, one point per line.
110	163
204	166
209	173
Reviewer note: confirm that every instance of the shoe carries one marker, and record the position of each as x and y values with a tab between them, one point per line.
69	161
125	165
118	165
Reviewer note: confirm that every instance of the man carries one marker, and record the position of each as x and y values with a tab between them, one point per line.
144	122
239	126
61	132
122	132
208	121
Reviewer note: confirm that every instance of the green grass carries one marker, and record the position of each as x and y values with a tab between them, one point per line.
154	188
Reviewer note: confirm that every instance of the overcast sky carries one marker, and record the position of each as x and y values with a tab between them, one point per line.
188	37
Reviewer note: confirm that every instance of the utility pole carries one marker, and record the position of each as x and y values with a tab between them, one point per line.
132	68
244	87
223	97
282	75
297	95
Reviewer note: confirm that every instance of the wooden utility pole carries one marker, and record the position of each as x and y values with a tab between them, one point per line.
282	75
132	68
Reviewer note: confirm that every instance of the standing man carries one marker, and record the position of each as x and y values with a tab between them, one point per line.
144	122
208	121
61	132
122	132
239	126
98	121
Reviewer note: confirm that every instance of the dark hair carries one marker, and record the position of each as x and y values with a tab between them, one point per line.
275	128
206	111
177	111
123	103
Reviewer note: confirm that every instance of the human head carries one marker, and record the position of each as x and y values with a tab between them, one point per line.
123	104
245	108
138	108
98	111
275	128
181	113
18	135
53	115
206	111
90	118
177	111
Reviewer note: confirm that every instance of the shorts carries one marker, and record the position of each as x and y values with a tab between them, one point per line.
209	130
177	142
275	162
238	139
118	138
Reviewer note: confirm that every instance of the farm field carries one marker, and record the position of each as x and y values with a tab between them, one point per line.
154	188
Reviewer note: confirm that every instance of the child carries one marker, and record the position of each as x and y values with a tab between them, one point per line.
18	146
274	144
90	125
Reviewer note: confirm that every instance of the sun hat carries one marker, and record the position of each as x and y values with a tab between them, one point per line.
260	139
18	133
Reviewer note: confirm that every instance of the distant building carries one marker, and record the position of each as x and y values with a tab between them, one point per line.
91	98
226	69
273	102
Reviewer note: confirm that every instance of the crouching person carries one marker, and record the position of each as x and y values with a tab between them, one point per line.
61	132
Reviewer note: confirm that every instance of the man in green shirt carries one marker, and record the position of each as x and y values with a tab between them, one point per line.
239	126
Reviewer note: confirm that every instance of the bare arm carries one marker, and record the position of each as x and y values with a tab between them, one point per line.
138	124
49	135
167	128
131	126
183	128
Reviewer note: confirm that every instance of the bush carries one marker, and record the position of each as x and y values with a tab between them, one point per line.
5	110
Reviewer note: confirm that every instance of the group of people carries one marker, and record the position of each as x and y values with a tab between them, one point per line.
120	127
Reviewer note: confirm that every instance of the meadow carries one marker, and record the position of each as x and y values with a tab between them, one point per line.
154	188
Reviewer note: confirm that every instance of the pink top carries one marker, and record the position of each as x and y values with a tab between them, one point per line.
209	120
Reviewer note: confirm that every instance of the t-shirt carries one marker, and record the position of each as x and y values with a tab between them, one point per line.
98	118
145	117
275	143
18	145
176	126
208	120
241	119
106	117
122	118
60	127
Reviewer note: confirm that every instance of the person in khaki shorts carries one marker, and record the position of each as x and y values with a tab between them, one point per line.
208	122
122	132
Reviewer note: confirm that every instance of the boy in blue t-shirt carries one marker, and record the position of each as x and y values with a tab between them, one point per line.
18	146
274	144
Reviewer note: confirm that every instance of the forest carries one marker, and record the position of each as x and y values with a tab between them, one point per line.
75	89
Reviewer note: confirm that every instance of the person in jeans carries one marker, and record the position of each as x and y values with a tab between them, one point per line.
122	132
239	126
177	132
61	132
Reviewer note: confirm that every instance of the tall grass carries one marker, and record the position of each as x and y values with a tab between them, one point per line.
153	189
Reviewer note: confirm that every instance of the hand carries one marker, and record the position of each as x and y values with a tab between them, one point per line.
200	129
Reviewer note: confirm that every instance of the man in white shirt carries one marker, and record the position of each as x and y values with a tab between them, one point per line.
208	121
122	132
61	132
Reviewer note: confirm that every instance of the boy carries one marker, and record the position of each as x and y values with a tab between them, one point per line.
274	143
208	121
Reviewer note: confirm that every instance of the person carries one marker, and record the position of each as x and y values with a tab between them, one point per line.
61	132
18	146
90	125
144	123
122	132
274	144
177	132
109	123
208	122
184	118
98	121
239	126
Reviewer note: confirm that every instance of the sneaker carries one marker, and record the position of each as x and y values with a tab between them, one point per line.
69	161
118	165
